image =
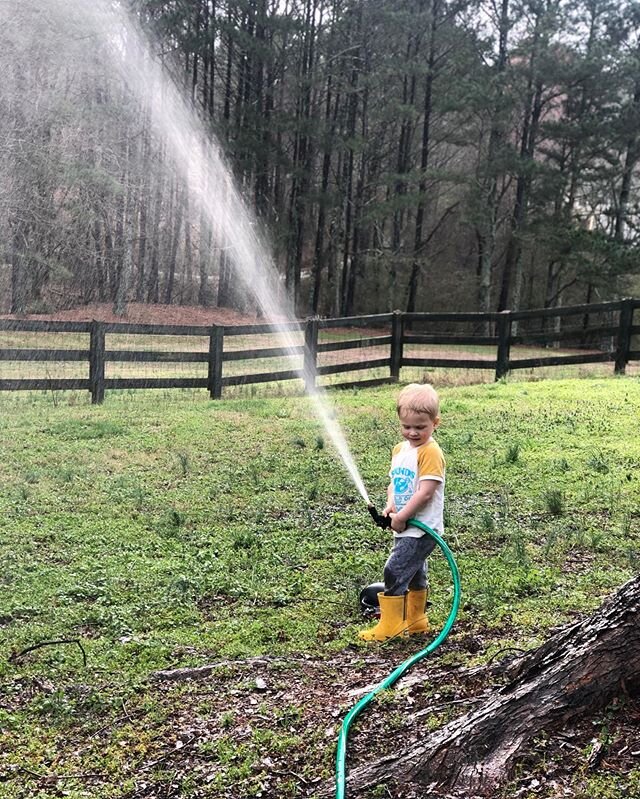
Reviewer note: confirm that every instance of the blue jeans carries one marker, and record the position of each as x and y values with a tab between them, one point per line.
406	566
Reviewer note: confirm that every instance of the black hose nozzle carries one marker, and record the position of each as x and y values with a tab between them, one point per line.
382	521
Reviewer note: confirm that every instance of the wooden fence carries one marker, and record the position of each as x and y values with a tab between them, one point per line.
507	330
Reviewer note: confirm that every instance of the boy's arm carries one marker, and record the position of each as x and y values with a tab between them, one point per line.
390	507
425	491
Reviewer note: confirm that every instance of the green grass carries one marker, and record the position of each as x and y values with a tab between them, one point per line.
162	529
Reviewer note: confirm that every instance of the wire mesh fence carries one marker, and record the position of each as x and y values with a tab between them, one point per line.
355	350
447	348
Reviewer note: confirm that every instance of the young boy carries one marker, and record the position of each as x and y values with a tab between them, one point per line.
416	491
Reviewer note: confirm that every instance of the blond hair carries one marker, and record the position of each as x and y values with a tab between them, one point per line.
419	398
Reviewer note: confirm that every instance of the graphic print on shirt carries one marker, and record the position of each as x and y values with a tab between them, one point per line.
403	481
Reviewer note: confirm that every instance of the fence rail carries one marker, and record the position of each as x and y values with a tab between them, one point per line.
615	346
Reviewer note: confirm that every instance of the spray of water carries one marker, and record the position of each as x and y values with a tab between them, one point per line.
197	156
337	436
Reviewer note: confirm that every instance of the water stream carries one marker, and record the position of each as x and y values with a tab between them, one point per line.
198	158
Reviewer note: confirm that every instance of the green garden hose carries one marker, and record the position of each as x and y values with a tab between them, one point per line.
341	754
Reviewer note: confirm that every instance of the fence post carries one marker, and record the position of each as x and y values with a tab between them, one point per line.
504	343
397	341
310	354
625	323
214	375
96	362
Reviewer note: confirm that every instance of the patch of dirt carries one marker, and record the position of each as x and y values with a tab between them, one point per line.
267	727
285	716
146	314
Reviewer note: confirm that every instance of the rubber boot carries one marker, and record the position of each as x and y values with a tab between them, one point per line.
392	621
417	621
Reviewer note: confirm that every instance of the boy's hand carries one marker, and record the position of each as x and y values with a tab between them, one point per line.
397	524
390	508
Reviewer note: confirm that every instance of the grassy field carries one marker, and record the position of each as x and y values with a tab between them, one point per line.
163	530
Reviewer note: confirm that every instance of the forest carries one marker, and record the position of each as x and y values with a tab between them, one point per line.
399	154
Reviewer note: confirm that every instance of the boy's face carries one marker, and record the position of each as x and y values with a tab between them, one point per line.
417	428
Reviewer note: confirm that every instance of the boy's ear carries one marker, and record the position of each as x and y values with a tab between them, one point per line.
436	421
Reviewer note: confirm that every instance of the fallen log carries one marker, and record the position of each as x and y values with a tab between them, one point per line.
577	672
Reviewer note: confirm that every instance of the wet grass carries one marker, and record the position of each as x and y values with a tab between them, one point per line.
162	530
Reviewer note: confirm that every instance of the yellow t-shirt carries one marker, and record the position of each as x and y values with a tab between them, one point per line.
409	465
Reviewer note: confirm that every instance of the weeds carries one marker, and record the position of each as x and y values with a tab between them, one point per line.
227	719
554	501
487	522
244	540
633	558
597	463
171	522
289	715
552	539
625	524
520	555
67	475
255	475
184	462
99	537
505	504
512	453
447	518
184	589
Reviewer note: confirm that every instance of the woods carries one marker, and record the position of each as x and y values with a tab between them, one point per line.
412	154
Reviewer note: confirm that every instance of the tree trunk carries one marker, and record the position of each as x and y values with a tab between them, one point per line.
302	157
532	112
403	158
355	267
186	287
18	275
204	259
109	257
142	245
487	228
318	253
577	672
226	112
130	200
427	108
349	164
262	112
153	278
178	201
98	289
632	156
226	298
